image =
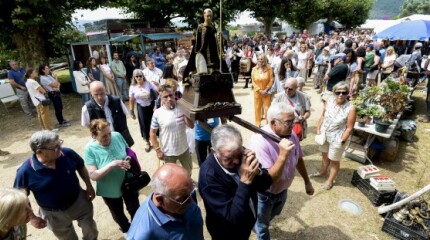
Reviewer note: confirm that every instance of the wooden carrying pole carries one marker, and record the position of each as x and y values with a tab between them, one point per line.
220	36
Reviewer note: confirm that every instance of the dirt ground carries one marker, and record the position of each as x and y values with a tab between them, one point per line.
303	217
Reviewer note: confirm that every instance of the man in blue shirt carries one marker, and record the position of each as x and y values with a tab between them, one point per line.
158	58
170	211
16	79
50	174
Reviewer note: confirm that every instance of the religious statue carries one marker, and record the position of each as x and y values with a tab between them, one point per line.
204	57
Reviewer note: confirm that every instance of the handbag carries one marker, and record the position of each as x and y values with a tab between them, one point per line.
45	102
153	94
320	138
134	178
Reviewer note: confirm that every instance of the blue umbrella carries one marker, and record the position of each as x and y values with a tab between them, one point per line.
407	30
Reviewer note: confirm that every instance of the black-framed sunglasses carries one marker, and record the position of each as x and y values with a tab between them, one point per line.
183	202
343	93
56	148
139	76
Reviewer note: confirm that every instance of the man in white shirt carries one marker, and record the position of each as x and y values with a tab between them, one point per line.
170	122
152	73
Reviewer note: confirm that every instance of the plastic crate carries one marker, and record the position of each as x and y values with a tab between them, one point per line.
400	231
376	197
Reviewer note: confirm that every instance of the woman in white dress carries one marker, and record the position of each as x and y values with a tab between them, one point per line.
109	78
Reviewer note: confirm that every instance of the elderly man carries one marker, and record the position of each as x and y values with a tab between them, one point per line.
118	69
16	79
270	203
169	212
170	122
108	107
50	174
338	73
229	180
301	104
152	73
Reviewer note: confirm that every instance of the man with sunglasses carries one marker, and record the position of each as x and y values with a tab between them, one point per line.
336	74
50	174
170	122
271	202
170	211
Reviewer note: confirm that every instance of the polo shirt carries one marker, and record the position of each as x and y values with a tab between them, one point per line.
267	152
18	76
337	74
149	222
53	189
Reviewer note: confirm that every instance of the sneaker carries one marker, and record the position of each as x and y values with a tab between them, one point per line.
64	124
55	130
125	235
66	121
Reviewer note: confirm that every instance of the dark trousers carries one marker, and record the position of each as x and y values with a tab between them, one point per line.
55	97
116	208
428	97
144	115
202	150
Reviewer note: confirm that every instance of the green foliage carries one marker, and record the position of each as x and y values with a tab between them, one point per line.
411	7
6	54
64	76
385	9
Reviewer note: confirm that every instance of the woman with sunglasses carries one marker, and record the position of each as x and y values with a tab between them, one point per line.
105	158
262	81
140	93
337	123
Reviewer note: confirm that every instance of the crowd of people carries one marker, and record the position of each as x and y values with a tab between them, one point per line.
243	188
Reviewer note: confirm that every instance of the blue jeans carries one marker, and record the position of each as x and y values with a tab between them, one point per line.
122	87
269	205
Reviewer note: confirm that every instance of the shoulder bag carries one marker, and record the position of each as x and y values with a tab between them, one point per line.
45	102
134	179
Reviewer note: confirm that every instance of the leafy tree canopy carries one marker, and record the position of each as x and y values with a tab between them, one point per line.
411	7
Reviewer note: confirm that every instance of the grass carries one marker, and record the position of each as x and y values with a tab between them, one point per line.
64	76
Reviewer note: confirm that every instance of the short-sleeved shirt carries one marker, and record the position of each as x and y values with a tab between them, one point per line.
200	133
17	76
153	75
45	81
337	74
142	94
151	223
267	152
100	156
35	95
53	189
171	123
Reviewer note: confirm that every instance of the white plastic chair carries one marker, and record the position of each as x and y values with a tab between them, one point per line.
7	94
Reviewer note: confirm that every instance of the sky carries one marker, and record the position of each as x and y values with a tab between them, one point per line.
112	13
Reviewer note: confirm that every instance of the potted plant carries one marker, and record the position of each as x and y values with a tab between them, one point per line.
361	115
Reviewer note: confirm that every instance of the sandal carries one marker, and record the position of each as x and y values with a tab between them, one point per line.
327	186
316	174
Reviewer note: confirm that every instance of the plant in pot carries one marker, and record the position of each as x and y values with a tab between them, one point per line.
361	115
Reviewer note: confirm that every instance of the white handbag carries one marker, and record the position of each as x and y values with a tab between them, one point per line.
320	139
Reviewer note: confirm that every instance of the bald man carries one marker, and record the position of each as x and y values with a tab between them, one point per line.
108	107
300	102
170	211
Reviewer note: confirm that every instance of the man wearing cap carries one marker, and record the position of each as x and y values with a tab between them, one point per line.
338	72
415	56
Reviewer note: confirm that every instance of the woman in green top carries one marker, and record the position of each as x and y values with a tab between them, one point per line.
104	157
14	214
372	63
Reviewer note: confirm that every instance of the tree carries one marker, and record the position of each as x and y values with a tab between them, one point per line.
32	24
302	14
160	13
411	7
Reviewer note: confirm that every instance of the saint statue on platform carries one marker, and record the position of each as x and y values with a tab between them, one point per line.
204	57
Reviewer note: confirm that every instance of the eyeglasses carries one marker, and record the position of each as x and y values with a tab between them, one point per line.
288	88
343	93
183	202
56	148
139	76
167	96
287	123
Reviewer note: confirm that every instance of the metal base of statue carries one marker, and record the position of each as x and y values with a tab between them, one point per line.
208	96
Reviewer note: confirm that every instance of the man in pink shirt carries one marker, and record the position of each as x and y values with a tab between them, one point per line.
271	202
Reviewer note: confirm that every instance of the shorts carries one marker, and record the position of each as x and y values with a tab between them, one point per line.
333	150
